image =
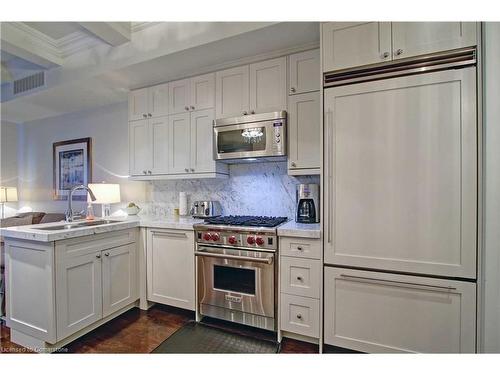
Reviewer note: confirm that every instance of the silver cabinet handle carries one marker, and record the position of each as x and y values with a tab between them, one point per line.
300	278
107	254
192	169
399	52
98	256
292	89
186	169
385	55
144	115
293	164
299	248
253	112
235	257
192	107
149	172
299	316
144	172
150	115
329	143
169	234
245	113
186	108
400	284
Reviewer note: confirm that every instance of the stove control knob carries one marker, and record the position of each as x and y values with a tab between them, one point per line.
260	241
232	240
215	236
250	240
207	236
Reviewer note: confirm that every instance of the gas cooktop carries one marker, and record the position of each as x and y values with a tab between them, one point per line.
247	221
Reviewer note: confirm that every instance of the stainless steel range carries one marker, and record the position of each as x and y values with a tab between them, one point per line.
236	269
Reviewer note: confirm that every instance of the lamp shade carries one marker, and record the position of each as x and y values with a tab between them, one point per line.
8	194
105	193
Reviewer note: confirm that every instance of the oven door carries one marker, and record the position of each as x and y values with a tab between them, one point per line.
250	140
236	280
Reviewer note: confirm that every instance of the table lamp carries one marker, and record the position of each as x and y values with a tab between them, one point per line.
105	195
7	194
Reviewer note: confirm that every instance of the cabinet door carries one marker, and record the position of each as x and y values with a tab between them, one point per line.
231	92
170	268
202	133
305	131
268	86
179	143
78	293
158	100
381	312
119	278
351	44
159	141
139	147
418	38
138	104
179	96
304	72
202	92
401	174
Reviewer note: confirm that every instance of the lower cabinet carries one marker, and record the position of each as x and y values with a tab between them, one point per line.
381	312
170	267
300	315
93	286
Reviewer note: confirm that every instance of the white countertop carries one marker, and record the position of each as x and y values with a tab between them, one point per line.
293	229
35	233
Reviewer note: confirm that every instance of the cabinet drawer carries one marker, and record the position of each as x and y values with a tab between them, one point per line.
300	247
89	244
381	312
300	276
299	315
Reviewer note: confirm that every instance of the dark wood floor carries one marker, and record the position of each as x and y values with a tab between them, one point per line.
138	331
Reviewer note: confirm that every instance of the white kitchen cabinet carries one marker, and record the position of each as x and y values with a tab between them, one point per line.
170	267
179	142
232	92
300	277
401	174
202	92
139	147
268	91
304	72
78	293
377	312
300	315
148	102
201	158
350	44
179	96
419	38
301	247
138	104
304	126
119	278
159	129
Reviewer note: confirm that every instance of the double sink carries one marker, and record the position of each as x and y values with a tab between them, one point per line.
77	225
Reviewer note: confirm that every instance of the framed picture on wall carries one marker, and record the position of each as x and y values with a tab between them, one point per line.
72	166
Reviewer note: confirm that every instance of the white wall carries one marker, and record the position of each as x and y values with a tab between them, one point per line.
491	245
8	160
108	128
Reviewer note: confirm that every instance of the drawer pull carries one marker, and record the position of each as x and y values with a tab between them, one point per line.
299	248
400	284
169	234
107	254
300	278
299	316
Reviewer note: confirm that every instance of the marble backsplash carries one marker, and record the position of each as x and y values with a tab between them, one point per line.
251	189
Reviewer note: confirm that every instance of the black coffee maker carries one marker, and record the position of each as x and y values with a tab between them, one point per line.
307	203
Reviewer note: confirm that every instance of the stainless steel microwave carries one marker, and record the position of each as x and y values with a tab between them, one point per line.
250	137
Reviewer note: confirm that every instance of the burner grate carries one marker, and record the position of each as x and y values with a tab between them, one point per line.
247	221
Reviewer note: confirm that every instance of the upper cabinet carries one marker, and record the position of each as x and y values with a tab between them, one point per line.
202	92
232	92
419	38
268	86
179	96
304	72
148	102
346	44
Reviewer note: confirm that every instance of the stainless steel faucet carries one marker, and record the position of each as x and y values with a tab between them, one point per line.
69	210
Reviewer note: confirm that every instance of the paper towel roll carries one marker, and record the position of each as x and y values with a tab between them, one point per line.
183	204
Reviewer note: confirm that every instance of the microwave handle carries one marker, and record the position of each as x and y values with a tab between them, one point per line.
235	257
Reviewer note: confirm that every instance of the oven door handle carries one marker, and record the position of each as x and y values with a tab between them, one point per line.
235	257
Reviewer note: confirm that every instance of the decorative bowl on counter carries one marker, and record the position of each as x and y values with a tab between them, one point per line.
132	209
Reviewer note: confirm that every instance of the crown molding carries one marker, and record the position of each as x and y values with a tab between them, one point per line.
139	26
76	42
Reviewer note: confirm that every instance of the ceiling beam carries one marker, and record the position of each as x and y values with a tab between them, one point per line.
30	45
113	33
